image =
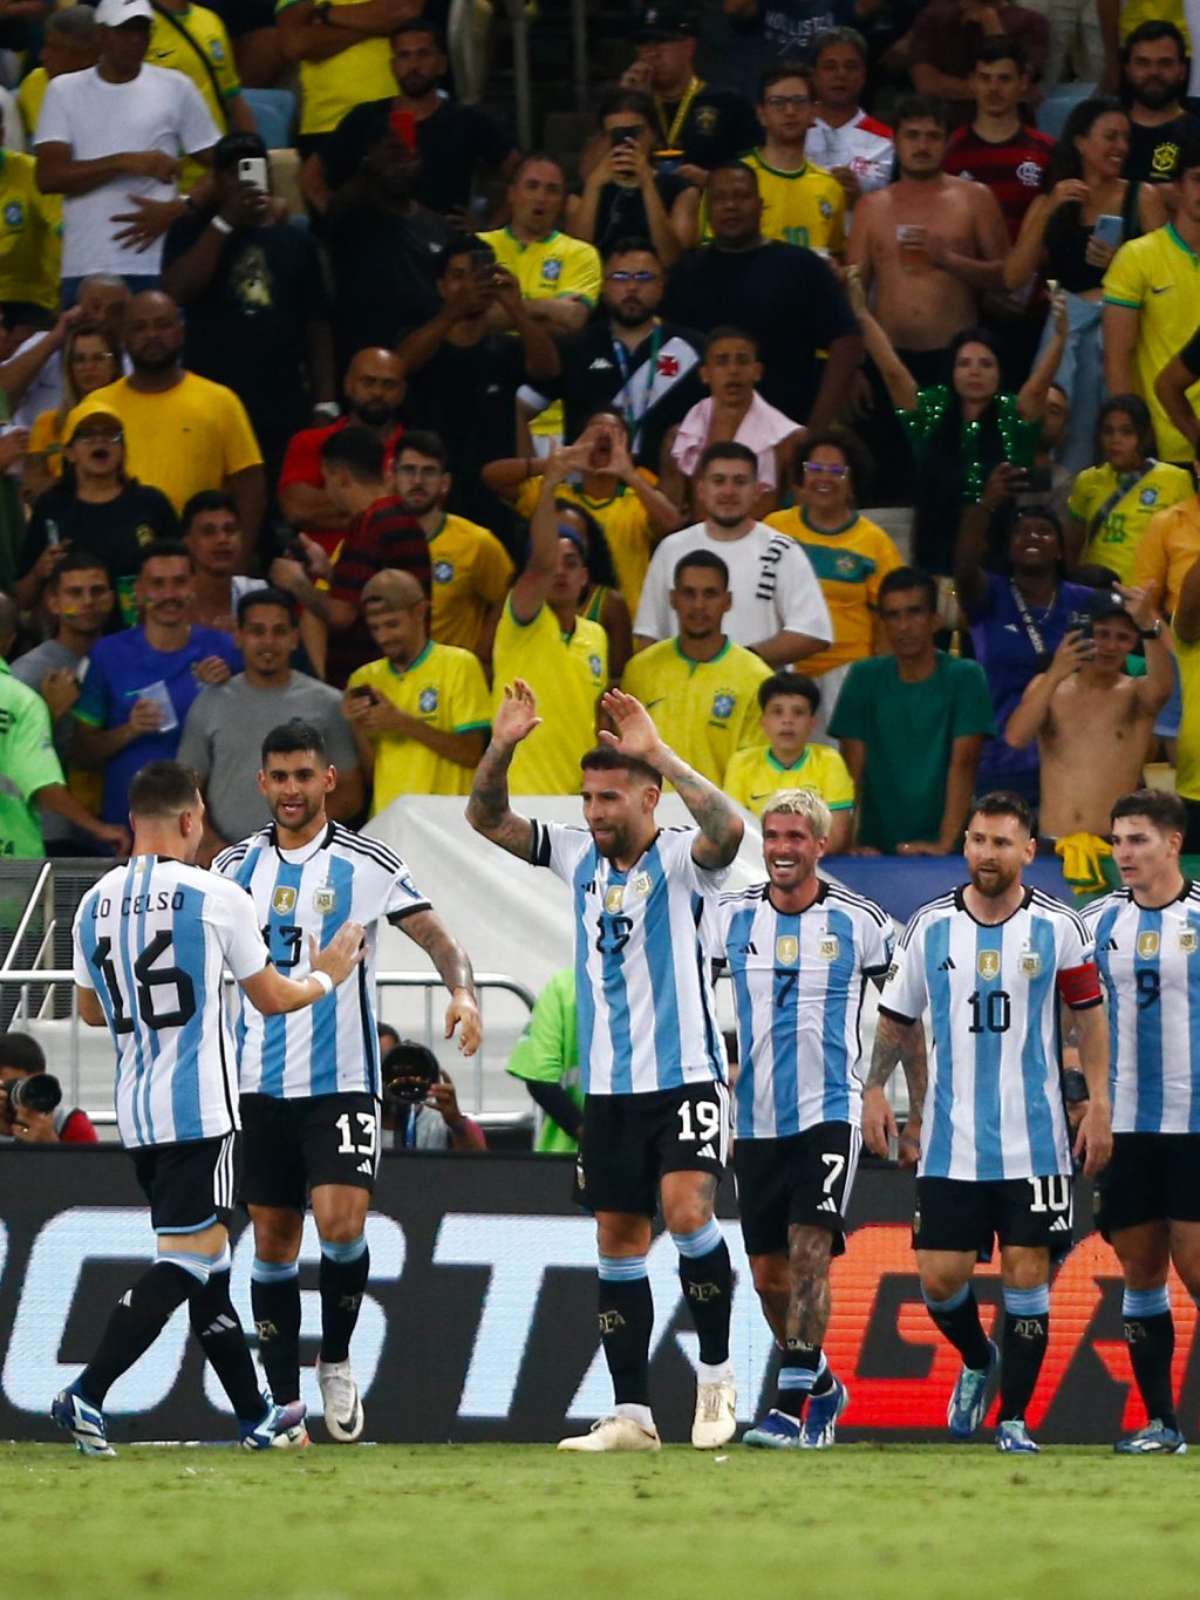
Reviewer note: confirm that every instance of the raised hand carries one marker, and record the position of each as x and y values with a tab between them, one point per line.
516	716
636	734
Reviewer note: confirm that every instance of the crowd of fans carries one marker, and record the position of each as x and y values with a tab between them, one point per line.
363	446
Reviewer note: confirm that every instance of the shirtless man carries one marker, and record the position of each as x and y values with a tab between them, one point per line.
930	244
1093	723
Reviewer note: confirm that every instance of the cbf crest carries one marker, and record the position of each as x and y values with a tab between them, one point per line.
987	963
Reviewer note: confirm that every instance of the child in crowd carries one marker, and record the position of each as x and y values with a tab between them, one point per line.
789	702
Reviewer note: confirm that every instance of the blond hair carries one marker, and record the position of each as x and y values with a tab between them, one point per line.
806	803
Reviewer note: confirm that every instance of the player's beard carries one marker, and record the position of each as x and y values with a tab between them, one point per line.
997	882
615	848
310	809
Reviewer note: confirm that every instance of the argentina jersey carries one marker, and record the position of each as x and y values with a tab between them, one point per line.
332	1046
152	939
1149	963
798	984
993	1106
647	1018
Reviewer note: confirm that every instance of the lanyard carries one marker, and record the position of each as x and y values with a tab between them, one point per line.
1032	631
635	414
671	134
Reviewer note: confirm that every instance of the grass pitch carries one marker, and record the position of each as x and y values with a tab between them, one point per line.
518	1522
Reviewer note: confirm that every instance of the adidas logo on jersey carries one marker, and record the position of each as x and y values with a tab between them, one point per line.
947	965
828	1205
365	1166
1060	1225
707	1152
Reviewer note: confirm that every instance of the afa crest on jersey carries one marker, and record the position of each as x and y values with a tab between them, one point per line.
324	899
828	947
1188	941
1030	963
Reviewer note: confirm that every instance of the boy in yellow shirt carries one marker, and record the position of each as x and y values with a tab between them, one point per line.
789	702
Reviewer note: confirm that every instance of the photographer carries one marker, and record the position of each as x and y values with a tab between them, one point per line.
420	1106
31	1108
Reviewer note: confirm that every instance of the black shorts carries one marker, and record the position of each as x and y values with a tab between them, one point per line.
290	1147
629	1140
190	1185
953	1214
805	1178
1152	1177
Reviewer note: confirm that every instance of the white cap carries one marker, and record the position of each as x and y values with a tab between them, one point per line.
112	13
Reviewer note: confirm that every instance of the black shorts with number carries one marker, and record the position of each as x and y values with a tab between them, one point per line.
290	1147
629	1140
189	1185
804	1178
1152	1177
953	1214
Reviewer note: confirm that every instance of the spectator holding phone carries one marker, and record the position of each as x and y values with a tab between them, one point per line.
623	196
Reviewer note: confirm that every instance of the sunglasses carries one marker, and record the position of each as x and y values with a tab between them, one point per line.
786	102
633	277
825	469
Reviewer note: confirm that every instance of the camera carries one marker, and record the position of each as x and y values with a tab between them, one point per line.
410	1071
42	1092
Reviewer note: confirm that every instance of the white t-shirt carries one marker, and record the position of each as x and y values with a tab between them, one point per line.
158	110
772	580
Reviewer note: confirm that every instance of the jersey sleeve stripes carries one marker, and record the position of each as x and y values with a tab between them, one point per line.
798	984
332	1046
647	1016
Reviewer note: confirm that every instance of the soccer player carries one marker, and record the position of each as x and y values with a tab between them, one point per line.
1147	938
152	940
310	1088
655	1120
991	960
799	950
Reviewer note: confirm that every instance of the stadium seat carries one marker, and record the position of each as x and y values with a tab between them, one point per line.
274	113
1059	103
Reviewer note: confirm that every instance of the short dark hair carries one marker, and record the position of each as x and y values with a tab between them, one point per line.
787	682
418	25
901	579
851	447
1002	803
356	449
726	450
235	147
1150	33
1163	808
636	101
424	442
542	156
266	596
792	68
706	560
630	244
1001	47
21	1051
920	108
829	37
163	789
741	167
289	737
727	330
77	559
605	759
460	244
165	550
206	500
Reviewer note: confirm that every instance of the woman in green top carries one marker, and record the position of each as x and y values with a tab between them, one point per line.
962	428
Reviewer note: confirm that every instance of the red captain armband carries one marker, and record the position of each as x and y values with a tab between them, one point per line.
1080	986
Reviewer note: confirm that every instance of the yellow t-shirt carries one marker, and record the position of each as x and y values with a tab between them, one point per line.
1187	751
30	94
567	675
169	48
705	710
850	566
805	207
1158	275
45	439
192	437
330	89
446	689
1116	543
552	268
471	572
754	775
1134	12
626	525
1168	550
30	234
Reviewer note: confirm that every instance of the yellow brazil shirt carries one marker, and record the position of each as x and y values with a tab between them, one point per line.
1168	551
1133	13
1158	275
30	234
446	689
181	440
626	525
1114	543
329	89
850	565
552	268
472	572
705	710
755	775
30	94
568	674
805	207
205	34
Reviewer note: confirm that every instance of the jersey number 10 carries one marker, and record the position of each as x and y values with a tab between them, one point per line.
990	1012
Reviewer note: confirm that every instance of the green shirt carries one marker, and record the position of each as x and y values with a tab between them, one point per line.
908	729
27	763
548	1052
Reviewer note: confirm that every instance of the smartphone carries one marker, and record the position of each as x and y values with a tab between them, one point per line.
253	170
1036	480
1109	229
627	133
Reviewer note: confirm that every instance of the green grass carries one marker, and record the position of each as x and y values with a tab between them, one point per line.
518	1522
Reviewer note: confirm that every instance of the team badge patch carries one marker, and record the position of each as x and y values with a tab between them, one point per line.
1187	941
428	700
14	214
283	900
642	884
1030	963
1147	944
597	666
828	947
324	899
987	963
614	898
551	271
443	571
723	704
787	949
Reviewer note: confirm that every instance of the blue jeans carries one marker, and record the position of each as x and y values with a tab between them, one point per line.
1081	374
68	289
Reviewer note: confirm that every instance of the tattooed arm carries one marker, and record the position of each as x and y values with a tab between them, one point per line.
721	826
426	928
896	1043
488	810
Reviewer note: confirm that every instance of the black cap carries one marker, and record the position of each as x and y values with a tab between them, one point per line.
1107	603
665	22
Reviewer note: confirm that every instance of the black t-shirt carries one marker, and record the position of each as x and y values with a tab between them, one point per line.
781	293
454	143
383	274
621	211
117	530
719	126
1154	152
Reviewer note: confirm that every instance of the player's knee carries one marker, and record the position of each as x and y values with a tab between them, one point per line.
343	1229
770	1275
276	1235
808	1252
1143	1272
938	1285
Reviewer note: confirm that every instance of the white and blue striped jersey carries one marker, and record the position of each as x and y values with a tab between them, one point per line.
643	981
993	1107
330	1047
153	938
798	984
1149	965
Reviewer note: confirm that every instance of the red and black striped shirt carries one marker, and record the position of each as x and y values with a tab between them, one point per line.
384	535
1013	169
